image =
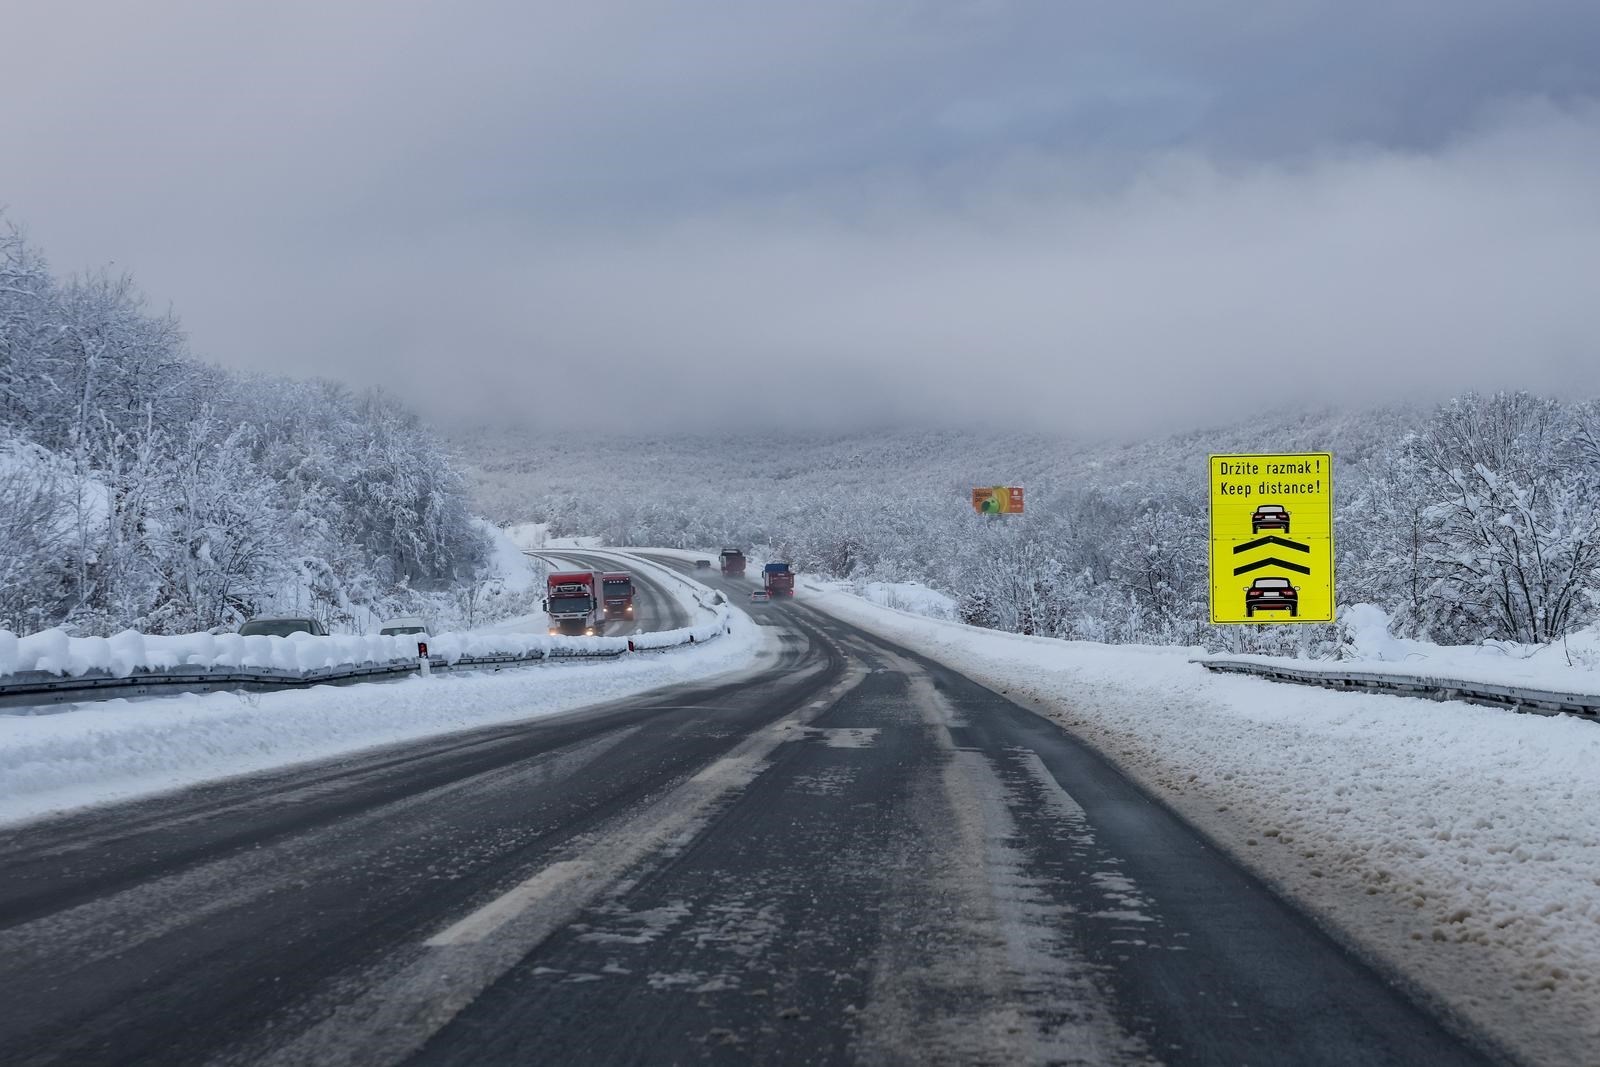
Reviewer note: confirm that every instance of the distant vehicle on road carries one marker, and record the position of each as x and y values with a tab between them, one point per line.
408	624
573	600
702	564
1269	517
760	596
778	579
618	587
282	628
1272	594
732	563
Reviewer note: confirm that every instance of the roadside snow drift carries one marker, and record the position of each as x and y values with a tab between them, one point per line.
1458	844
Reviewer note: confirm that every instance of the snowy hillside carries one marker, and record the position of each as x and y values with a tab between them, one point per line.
142	488
1476	521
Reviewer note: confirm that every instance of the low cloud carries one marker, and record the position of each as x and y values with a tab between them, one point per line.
1195	293
1075	216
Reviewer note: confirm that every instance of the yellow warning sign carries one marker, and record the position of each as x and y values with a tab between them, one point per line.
1272	538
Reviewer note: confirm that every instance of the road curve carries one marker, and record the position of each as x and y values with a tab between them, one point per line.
655	606
852	854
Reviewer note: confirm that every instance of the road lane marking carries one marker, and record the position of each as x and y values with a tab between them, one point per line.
846	737
729	769
402	1006
1056	795
495	914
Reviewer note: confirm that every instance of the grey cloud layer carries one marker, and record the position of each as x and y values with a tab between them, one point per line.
1104	217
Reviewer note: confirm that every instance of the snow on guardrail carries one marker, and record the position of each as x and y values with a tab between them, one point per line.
1434	687
52	667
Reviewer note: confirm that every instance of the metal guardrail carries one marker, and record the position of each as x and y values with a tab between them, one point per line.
1432	687
41	688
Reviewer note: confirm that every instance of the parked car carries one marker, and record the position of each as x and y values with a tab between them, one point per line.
407	624
760	596
282	628
1269	517
702	564
1271	594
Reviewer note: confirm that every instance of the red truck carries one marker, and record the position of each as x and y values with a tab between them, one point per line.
573	602
779	579
732	563
618	591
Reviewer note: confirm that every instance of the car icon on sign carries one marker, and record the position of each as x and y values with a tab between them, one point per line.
1272	594
1269	517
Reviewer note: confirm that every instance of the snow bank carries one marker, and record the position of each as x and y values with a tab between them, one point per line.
508	560
535	537
528	536
573	542
115	750
912	597
1569	667
53	652
1455	842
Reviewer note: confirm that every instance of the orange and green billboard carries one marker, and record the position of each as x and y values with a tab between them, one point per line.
998	500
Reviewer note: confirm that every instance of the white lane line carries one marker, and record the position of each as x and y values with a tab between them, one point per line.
1062	803
495	914
397	1013
731	770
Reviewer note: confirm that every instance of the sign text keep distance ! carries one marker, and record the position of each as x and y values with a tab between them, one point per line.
1272	538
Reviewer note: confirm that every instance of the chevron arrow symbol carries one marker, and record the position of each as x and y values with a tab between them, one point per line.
1271	561
1281	542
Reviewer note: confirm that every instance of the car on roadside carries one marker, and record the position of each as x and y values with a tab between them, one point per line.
406	624
1272	594
1269	517
760	596
282	627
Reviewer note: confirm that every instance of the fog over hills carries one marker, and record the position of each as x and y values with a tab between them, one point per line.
523	474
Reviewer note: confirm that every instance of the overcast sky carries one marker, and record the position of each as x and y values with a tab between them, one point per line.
1094	217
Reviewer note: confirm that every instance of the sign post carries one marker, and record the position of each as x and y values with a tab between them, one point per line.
1272	538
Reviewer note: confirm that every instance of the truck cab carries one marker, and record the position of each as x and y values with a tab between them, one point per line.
573	602
778	579
618	590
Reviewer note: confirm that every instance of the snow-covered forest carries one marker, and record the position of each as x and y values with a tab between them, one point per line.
141	487
1479	520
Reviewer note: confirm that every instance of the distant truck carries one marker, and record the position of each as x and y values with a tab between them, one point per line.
732	563
573	602
618	591
778	579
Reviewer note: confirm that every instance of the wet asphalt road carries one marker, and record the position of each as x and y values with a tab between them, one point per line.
851	855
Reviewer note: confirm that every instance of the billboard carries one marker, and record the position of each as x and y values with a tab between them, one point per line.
1272	538
998	500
